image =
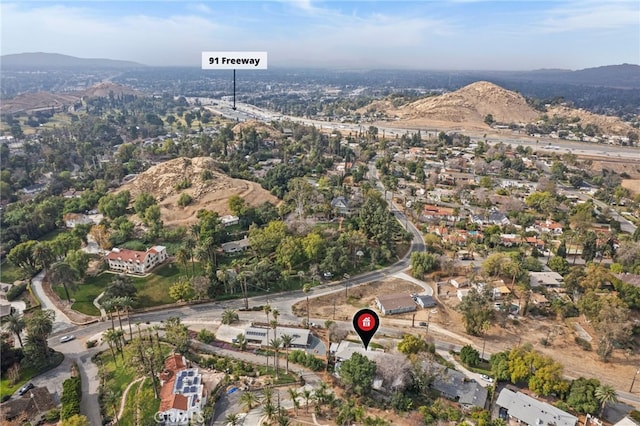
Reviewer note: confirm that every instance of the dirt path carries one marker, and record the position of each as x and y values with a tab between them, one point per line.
124	396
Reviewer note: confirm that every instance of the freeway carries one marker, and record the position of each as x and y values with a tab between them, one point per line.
245	112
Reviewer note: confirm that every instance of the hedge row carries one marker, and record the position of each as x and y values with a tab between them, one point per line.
71	395
301	357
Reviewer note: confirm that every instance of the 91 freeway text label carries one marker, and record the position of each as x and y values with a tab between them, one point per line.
234	60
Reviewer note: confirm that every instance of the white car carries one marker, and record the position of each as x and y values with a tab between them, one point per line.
68	338
486	378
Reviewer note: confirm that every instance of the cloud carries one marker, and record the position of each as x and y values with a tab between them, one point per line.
578	16
85	32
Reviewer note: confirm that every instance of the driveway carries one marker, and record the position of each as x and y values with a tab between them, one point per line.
61	321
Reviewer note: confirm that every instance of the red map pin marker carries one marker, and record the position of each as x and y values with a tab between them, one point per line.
366	323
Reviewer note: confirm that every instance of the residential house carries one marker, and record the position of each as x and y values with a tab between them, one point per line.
182	393
462	293
136	262
395	304
5	310
545	279
424	301
456	386
530	411
27	407
236	246
73	219
229	220
340	206
549	227
631	279
437	213
261	336
459	282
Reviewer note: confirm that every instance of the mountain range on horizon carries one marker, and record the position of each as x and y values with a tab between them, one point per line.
626	76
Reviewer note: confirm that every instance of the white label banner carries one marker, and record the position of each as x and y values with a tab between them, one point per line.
234	60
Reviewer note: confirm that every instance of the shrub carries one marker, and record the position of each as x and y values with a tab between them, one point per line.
52	416
183	184
185	199
71	395
15	291
300	357
206	336
91	343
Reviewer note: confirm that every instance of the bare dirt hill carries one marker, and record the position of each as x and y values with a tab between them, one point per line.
608	125
104	88
472	104
30	102
467	108
212	194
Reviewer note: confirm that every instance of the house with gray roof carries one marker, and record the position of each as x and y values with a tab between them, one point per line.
532	412
456	386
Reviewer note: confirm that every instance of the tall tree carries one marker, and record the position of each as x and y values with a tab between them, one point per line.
606	395
357	374
15	324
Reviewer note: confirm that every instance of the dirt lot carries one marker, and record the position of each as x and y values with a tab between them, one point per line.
446	325
632	185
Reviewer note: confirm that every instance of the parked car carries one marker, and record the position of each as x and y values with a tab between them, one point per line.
67	338
422	324
25	388
487	378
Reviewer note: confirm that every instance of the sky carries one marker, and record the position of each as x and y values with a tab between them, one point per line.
433	35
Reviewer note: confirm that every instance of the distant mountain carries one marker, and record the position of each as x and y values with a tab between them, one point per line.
42	60
625	76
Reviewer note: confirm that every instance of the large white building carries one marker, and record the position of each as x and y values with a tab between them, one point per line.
136	262
182	395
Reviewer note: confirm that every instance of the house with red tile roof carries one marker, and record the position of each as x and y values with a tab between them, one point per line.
182	393
136	262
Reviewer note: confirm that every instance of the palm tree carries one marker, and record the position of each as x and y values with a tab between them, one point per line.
108	305
605	394
229	316
306	394
275	344
249	400
190	244
286	343
294	395
110	337
182	257
269	410
305	289
116	305
111	399
267	395
232	419
327	325
126	303
15	325
267	311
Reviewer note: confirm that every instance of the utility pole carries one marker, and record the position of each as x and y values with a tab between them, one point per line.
634	379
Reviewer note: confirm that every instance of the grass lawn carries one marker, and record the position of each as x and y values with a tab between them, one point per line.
153	290
120	374
26	374
10	273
